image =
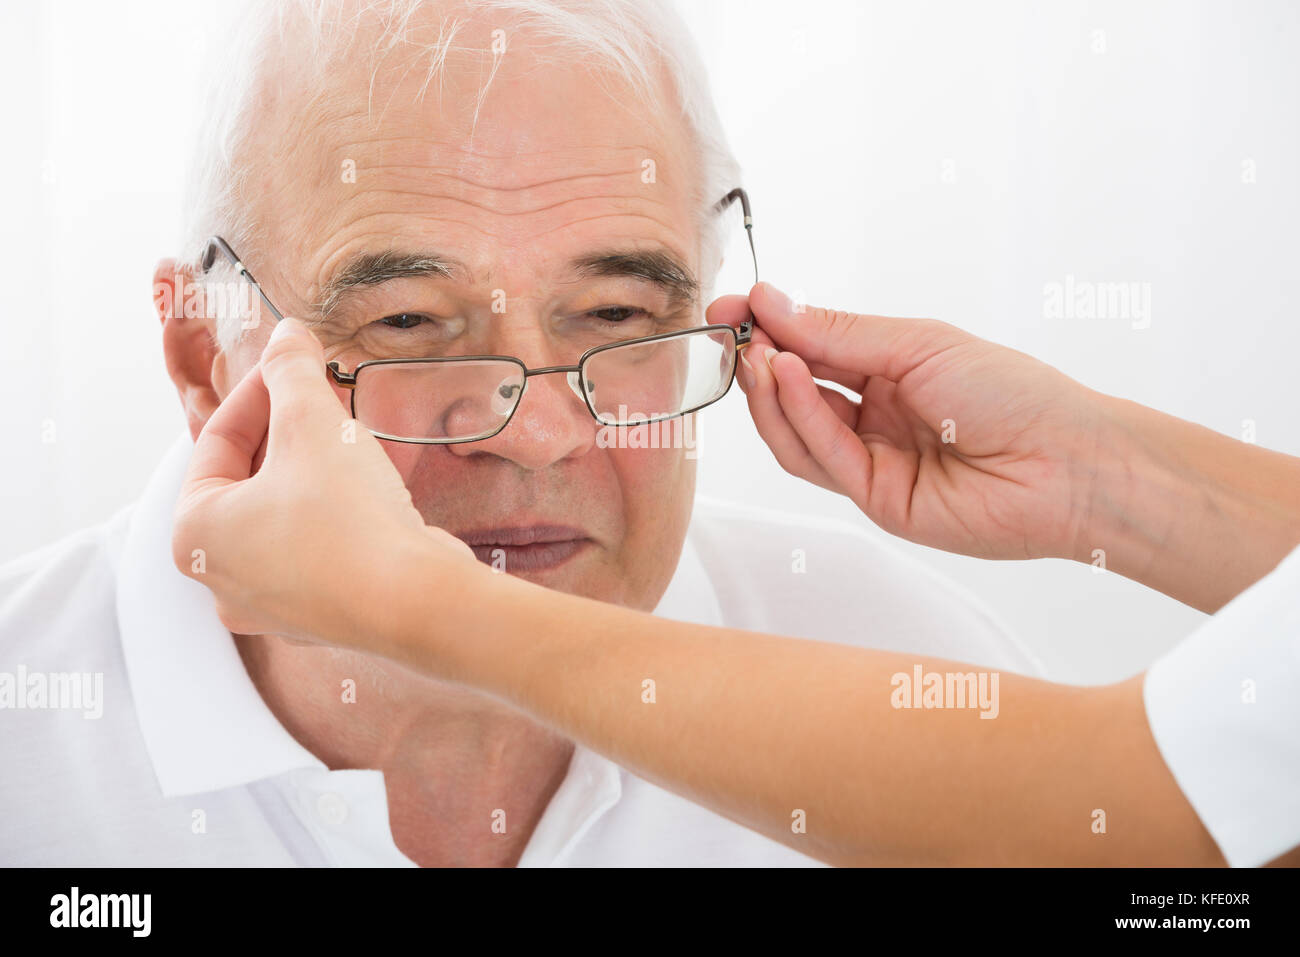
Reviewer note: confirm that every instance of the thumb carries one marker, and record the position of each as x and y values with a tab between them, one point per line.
858	343
293	367
227	448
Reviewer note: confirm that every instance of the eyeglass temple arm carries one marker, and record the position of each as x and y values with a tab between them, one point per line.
217	244
746	328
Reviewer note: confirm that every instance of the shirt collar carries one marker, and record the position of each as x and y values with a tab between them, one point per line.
204	723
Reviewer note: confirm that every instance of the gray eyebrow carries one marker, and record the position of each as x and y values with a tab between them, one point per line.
657	266
371	269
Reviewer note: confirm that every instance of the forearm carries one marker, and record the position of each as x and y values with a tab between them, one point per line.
760	728
1185	510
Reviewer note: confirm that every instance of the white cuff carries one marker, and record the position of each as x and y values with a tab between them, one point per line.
1224	707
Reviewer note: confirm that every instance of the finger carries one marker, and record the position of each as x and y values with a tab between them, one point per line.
225	450
732	311
260	457
844	407
832	444
845	377
727	311
850	380
754	352
776	431
858	344
293	367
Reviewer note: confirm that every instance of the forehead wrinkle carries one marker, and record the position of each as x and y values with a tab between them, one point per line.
448	189
372	192
437	176
339	119
439	151
507	184
629	214
467	224
366	138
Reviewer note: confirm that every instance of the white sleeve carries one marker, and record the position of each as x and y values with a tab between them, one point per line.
1224	707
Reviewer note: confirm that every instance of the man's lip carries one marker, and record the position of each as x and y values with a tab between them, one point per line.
517	535
537	557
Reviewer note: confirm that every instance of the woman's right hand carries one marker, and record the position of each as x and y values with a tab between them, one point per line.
298	523
950	441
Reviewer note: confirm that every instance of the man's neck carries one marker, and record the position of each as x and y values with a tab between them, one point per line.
467	778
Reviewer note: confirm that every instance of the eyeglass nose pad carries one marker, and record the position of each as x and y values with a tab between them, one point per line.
575	383
507	395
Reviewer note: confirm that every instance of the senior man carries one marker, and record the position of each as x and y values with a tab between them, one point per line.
528	181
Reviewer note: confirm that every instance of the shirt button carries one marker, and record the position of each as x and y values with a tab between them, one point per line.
332	808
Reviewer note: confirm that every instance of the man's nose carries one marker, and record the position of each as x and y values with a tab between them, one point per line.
550	424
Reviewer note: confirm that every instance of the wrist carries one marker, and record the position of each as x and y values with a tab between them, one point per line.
427	604
1137	494
1188	511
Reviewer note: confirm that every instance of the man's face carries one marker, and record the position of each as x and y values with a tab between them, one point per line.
554	172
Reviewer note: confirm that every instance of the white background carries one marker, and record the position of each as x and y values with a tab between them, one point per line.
1102	141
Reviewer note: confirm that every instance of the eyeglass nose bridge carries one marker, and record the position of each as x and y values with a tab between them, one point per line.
573	375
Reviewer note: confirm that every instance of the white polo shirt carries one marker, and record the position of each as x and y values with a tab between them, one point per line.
186	765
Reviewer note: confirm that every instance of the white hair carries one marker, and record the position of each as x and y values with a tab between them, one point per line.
633	38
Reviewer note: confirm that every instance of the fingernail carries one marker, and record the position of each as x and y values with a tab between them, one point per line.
768	354
746	373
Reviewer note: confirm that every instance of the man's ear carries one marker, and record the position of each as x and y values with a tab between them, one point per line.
194	363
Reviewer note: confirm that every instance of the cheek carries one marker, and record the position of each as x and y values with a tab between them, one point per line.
656	487
344	396
405	457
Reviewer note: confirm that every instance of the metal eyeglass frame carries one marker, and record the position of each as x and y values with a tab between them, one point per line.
348	380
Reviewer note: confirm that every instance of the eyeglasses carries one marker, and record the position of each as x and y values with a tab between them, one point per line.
446	400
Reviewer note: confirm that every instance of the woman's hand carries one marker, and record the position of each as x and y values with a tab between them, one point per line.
949	441
960	444
293	515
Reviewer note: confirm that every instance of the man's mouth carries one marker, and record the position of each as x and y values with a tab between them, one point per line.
526	548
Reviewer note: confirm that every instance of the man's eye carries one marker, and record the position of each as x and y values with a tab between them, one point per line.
616	313
404	320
